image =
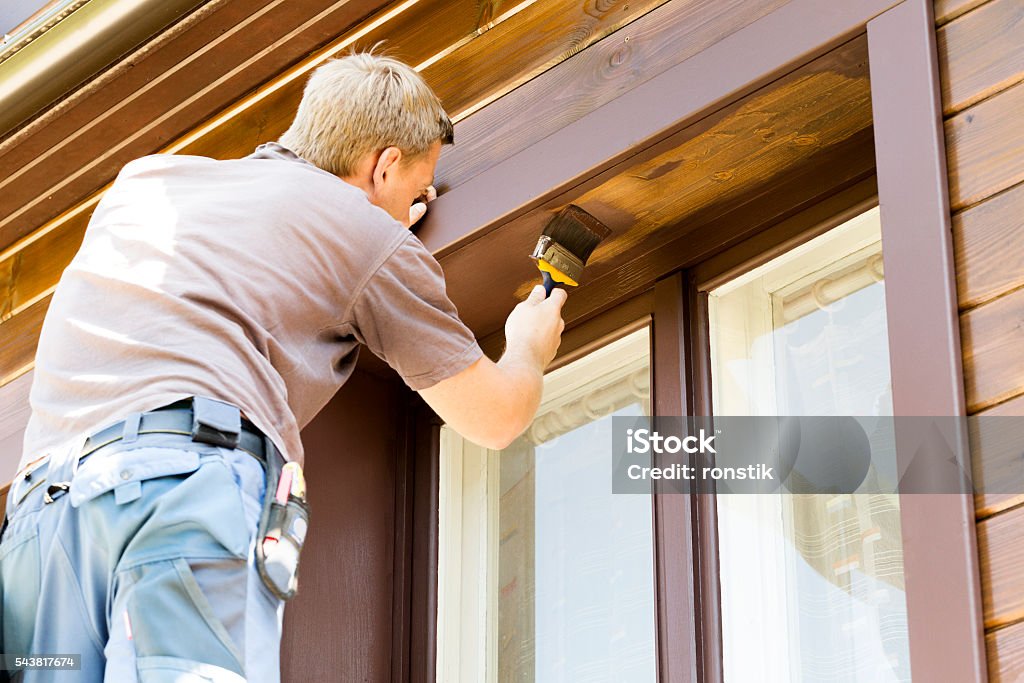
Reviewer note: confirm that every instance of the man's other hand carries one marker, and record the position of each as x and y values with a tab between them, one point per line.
419	207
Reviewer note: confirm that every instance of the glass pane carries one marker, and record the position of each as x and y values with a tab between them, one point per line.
545	575
812	585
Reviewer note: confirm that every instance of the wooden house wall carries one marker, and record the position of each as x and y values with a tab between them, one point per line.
476	58
981	53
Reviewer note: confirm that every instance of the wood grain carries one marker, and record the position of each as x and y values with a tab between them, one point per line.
981	53
21	334
33	272
413	36
14	412
1001	549
992	337
153	95
1006	654
994	459
338	627
987	246
808	127
985	147
947	10
477	62
620	62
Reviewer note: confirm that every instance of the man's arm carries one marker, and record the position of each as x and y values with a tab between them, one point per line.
492	403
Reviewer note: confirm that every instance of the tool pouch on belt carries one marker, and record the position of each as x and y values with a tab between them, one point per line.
282	531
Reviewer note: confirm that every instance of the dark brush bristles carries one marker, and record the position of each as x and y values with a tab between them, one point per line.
577	231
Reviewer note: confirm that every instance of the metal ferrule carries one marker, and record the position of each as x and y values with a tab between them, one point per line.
559	257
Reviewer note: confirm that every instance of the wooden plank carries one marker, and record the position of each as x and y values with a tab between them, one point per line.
585	152
665	37
992	340
73	50
14	412
33	272
985	144
160	91
981	53
1001	548
990	457
413	35
669	210
683	648
489	55
21	334
339	625
987	245
1006	654
947	10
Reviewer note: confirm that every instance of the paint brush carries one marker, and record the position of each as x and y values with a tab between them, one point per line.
565	245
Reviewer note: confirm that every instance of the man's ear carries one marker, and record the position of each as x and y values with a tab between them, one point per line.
386	163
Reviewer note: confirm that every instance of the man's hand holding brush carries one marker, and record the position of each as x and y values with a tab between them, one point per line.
493	403
534	328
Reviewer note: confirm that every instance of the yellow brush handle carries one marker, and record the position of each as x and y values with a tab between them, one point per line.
556	274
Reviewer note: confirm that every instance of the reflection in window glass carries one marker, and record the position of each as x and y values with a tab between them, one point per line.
544	574
812	585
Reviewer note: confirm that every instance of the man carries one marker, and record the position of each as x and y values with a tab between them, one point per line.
213	309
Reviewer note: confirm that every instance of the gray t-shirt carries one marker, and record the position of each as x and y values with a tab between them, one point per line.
252	281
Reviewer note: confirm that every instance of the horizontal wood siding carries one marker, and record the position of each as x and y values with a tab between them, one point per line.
14	412
987	239
981	54
985	144
1006	654
947	10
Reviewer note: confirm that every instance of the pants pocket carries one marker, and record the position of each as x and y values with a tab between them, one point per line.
19	591
171	618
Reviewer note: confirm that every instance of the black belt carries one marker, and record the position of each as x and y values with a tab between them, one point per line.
181	418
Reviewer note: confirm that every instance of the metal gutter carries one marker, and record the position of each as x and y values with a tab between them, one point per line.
77	48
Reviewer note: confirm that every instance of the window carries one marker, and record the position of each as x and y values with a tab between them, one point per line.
545	575
812	586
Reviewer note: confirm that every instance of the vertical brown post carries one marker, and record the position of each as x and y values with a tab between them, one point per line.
940	551
686	564
705	548
675	589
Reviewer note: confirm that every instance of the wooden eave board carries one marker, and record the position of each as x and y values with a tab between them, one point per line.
671	207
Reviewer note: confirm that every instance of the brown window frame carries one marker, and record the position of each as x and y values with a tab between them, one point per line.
946	636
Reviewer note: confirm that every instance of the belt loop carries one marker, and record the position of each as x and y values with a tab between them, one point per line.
131	427
215	422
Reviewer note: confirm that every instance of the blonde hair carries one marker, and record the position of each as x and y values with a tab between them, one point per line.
364	103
